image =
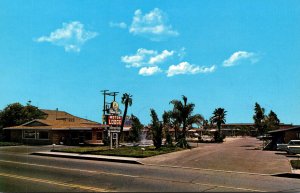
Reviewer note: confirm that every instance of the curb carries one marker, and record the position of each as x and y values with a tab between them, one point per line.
112	159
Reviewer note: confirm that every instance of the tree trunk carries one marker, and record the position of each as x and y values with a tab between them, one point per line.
184	130
121	137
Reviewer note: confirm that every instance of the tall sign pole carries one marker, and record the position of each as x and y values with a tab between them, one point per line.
111	117
104	92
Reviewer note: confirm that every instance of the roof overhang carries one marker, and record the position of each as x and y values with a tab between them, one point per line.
284	130
75	129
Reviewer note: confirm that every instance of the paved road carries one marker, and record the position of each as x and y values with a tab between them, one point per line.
35	173
237	154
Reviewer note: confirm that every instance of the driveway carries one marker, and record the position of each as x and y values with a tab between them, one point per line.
236	154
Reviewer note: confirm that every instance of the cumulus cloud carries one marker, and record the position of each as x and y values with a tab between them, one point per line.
121	25
238	56
187	68
144	57
148	71
152	25
161	57
71	36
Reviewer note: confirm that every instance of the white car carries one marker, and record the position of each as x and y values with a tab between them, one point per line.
284	147
293	149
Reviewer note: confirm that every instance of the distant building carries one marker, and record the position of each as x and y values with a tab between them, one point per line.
229	129
284	135
58	127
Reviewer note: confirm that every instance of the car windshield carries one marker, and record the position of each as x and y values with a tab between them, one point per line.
294	143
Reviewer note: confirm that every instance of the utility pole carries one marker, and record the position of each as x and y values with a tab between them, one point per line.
104	92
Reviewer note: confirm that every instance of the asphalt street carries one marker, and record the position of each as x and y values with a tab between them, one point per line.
20	171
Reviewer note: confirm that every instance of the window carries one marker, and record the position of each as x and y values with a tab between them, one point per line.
298	135
88	135
42	135
99	135
28	134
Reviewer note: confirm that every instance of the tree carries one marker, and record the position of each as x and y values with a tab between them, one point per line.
218	118
259	117
127	101
182	114
156	128
206	124
136	128
17	114
167	125
272	121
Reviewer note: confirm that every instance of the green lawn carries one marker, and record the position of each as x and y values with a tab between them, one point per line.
295	164
122	151
2	143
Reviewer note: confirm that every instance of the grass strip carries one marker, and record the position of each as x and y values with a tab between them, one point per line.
295	164
137	152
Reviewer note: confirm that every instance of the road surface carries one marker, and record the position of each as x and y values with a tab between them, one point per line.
20	171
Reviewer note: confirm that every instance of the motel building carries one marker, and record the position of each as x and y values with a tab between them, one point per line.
58	127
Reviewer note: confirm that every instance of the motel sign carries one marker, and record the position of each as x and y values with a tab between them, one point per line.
114	120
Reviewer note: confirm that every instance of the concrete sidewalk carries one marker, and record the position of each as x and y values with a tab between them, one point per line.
90	157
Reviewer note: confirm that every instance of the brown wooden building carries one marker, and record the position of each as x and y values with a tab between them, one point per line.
58	127
284	135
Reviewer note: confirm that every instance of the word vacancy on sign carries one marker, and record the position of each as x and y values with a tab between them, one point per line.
114	120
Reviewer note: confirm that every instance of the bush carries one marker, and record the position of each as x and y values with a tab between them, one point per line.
182	143
219	138
169	140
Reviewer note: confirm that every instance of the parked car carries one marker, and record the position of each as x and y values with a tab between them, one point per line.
293	149
284	147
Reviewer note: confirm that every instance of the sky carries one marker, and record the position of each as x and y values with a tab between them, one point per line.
228	54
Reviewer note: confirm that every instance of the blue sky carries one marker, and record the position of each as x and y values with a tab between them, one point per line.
230	54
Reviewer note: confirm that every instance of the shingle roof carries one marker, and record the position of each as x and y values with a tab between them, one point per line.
284	129
61	115
58	120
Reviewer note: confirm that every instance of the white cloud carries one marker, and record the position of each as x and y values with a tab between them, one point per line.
152	25
187	68
71	36
121	25
236	57
144	57
161	57
148	71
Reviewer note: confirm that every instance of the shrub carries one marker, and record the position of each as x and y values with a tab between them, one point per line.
219	138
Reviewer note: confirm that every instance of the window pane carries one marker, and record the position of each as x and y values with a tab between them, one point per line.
29	134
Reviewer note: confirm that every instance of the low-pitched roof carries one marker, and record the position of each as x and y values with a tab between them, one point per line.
284	129
59	120
62	115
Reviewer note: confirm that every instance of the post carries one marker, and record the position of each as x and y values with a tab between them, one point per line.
117	140
111	140
103	115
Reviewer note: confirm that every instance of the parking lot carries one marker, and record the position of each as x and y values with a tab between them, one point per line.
240	154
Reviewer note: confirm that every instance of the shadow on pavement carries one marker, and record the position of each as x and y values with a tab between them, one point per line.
287	175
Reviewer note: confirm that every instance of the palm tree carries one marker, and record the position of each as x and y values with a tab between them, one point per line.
182	115
219	117
127	101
